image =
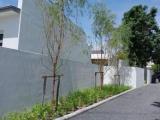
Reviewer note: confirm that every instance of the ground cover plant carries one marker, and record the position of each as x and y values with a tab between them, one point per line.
68	104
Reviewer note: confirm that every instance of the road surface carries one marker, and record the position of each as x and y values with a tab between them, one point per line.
140	104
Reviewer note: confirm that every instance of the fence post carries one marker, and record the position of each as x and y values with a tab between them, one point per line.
95	79
57	95
44	88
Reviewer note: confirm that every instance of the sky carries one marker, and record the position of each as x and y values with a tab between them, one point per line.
8	2
118	7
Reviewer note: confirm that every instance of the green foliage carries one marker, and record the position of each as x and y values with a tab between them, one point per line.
102	26
37	112
156	49
60	11
143	29
67	104
120	41
103	20
156	68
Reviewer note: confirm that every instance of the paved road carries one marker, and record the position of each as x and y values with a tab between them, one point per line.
140	104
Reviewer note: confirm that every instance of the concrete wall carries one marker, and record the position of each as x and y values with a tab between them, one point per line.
32	35
132	76
21	82
9	26
149	76
140	80
19	3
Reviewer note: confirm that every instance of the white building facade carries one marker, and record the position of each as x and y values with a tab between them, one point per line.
9	27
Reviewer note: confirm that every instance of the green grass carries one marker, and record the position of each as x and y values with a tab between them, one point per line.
67	104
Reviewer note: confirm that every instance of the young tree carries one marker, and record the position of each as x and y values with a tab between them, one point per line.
120	40
102	24
56	26
143	28
119	45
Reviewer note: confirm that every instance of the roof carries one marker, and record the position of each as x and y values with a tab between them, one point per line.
97	52
9	8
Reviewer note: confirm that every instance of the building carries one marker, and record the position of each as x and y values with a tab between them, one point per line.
9	27
99	57
21	28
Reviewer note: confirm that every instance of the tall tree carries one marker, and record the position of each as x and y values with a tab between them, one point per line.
143	28
156	49
103	21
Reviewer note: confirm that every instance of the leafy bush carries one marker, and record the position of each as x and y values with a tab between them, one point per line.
37	112
67	104
155	68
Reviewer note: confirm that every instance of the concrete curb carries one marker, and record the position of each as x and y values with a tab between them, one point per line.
92	106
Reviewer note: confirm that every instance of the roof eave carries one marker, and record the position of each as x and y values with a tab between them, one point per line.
10	8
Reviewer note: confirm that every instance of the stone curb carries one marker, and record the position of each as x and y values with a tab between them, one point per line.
92	106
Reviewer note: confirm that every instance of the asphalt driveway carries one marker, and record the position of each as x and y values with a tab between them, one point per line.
140	104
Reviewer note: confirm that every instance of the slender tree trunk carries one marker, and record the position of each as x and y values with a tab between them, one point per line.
117	67
58	51
54	74
145	74
101	75
101	67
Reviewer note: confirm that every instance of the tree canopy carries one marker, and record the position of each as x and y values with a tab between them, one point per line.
156	49
103	20
143	31
120	40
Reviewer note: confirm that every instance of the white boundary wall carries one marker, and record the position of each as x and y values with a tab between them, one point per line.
132	76
149	76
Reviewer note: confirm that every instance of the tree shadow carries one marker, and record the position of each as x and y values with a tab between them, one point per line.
156	104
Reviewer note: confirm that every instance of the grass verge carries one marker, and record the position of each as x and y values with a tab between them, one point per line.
67	104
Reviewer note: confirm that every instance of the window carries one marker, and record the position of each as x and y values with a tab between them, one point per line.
1	39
